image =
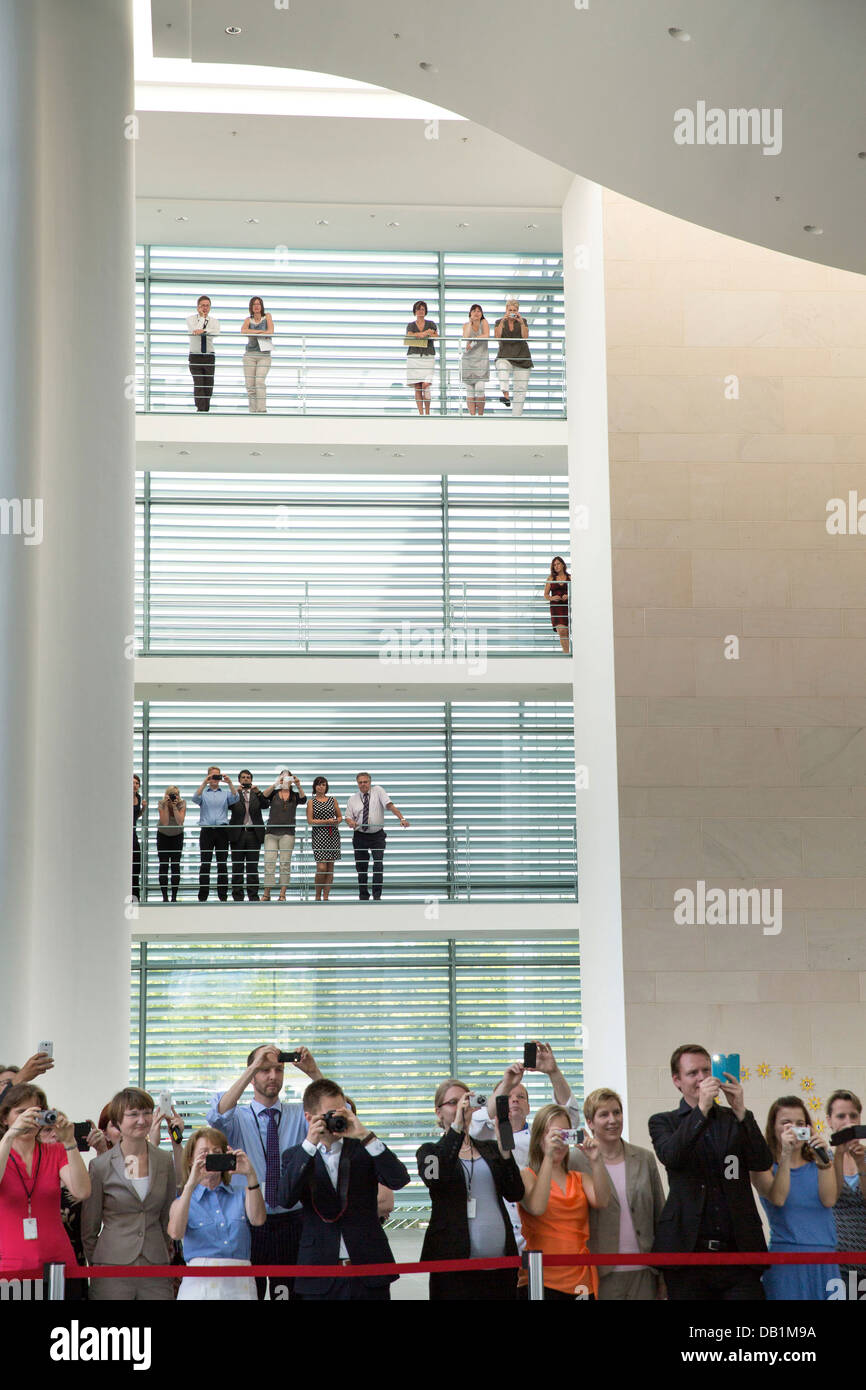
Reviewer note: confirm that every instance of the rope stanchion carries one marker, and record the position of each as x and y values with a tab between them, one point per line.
360	1271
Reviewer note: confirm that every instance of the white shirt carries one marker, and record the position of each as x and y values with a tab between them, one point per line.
379	800
196	321
331	1160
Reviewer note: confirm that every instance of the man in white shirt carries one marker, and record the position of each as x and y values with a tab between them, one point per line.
335	1173
365	814
481	1125
203	327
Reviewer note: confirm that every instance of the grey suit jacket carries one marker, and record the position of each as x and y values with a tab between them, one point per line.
117	1228
645	1200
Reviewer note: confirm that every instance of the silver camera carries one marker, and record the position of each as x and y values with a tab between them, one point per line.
803	1133
477	1100
572	1136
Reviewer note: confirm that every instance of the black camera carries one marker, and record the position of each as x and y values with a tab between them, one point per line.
334	1123
844	1136
172	796
46	1119
288	1056
80	1131
220	1163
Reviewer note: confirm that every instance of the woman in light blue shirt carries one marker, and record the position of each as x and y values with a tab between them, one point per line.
213	1216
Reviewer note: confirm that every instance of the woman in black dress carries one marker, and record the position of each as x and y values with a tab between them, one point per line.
324	815
138	806
470	1180
556	593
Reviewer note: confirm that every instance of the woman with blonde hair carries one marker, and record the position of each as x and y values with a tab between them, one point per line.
214	1215
513	361
556	1201
169	840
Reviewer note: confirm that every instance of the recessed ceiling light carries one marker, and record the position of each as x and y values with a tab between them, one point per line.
181	218
329	689
182	689
461	226
862	154
777	197
233	30
428	67
816	231
254	689
322	222
396	36
464	139
396	456
532	226
469	456
159	209
401	687
326	455
538	456
680	34
252	221
255	454
184	453
392	224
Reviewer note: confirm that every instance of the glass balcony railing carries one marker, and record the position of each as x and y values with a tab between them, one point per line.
488	859
400	622
351	374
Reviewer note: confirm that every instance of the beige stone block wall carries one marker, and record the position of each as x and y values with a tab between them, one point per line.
750	772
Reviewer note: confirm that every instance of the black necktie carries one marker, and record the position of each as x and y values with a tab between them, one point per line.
204	338
366	813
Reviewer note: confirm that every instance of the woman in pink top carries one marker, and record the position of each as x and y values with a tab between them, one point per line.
35	1159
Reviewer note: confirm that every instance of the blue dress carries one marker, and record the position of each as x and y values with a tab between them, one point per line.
801	1224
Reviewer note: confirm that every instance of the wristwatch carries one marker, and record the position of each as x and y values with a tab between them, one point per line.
368	1139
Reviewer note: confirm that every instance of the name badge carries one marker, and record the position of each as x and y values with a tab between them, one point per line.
30	1231
470	1207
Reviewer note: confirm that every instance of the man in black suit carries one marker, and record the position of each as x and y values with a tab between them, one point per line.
709	1152
335	1174
246	836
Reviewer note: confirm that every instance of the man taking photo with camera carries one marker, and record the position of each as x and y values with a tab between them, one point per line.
335	1174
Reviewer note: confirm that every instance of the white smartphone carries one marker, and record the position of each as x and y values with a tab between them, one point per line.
47	1048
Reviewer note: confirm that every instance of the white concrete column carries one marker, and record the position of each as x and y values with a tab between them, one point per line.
66	691
604	1052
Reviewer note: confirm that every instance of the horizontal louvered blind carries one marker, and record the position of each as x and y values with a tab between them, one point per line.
487	787
387	1022
339	319
327	564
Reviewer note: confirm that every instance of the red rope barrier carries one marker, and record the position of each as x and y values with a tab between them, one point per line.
702	1257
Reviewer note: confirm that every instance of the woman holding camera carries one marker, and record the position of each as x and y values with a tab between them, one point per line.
556	1202
213	1215
514	360
169	840
125	1217
469	1180
798	1196
38	1153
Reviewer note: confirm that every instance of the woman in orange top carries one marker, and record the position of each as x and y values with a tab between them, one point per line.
555	1205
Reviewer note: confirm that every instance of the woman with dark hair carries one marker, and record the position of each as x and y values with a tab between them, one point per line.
556	593
202	327
475	364
421	355
324	815
138	806
798	1196
125	1220
37	1160
257	357
469	1180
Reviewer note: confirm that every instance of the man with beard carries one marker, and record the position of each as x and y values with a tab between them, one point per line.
265	1129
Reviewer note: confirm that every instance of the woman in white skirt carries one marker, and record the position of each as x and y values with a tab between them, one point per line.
213	1215
421	355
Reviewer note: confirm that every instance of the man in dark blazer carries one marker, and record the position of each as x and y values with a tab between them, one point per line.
709	1151
246	836
336	1176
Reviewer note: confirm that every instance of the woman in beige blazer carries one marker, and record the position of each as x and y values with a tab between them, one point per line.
125	1218
634	1173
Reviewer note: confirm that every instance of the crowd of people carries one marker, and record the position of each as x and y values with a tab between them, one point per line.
232	821
510	333
272	1182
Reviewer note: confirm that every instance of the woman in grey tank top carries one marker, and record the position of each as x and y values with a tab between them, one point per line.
257	358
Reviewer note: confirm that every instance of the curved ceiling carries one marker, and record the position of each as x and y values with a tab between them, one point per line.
594	85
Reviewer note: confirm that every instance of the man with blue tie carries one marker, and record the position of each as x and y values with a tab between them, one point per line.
365	815
265	1129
